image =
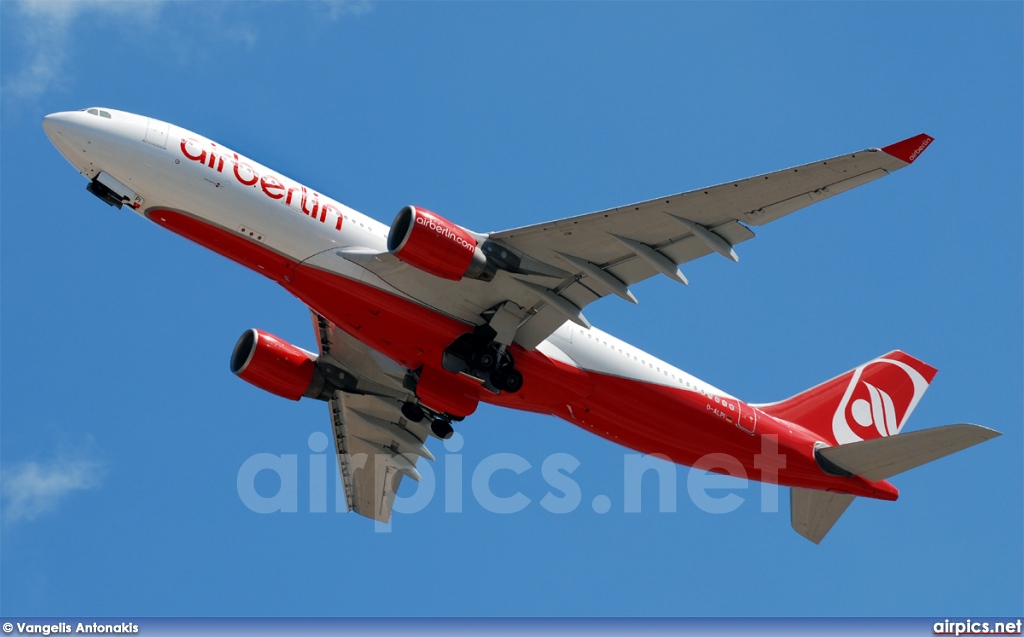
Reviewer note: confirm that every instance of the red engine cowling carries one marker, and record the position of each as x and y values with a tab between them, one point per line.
430	242
275	365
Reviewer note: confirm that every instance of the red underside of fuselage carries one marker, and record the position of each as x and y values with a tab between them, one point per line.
646	417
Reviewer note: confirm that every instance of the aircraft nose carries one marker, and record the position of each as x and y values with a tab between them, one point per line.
54	124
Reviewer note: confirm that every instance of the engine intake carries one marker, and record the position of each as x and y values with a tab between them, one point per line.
428	241
277	366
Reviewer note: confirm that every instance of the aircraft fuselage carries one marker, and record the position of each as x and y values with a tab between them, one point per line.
299	237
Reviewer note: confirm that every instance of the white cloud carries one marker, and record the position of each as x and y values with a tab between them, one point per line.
30	489
242	34
342	8
46	27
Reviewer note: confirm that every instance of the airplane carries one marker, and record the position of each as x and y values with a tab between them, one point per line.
420	321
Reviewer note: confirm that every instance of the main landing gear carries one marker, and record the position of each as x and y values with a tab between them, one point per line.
479	355
440	425
476	354
442	428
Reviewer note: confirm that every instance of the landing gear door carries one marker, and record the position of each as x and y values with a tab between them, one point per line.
113	193
156	133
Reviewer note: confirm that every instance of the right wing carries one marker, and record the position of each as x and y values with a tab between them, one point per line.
376	445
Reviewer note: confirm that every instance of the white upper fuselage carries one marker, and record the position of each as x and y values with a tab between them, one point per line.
173	168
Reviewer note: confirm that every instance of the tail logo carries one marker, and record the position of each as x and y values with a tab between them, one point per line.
878	410
880	407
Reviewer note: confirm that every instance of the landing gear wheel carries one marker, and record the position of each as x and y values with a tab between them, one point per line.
505	363
412	412
486	361
510	381
442	429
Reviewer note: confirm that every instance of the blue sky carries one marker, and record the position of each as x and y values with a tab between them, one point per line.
123	431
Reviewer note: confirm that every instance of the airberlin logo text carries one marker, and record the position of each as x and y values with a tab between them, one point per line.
293	195
920	149
444	231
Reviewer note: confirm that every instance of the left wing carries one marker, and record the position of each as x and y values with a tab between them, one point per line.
548	272
375	443
607	251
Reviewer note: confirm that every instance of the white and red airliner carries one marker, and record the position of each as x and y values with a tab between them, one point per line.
418	322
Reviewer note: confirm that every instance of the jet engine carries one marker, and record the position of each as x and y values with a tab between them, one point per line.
428	241
277	366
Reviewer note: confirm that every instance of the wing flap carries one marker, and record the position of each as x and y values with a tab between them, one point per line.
371	457
775	211
375	482
375	444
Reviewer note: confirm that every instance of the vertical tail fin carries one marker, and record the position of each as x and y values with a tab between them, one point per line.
871	401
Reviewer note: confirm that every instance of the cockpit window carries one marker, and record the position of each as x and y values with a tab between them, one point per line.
105	114
93	111
98	112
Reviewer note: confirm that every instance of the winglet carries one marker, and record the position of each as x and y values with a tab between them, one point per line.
909	149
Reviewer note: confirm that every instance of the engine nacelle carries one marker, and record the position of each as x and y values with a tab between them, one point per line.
430	242
277	366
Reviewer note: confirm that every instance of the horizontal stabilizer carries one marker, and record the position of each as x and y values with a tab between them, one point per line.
813	513
882	458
